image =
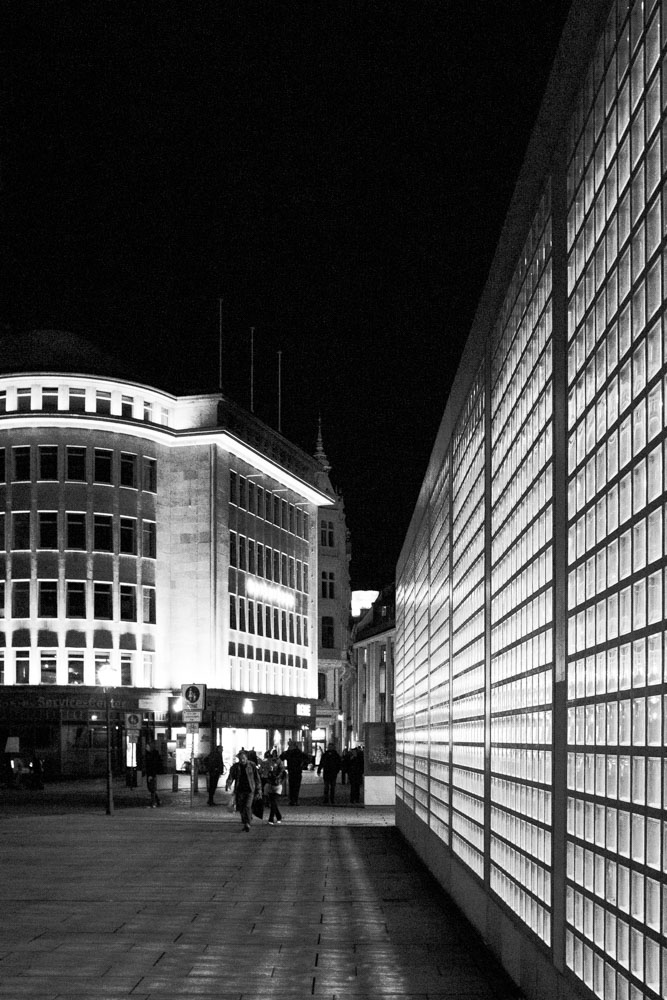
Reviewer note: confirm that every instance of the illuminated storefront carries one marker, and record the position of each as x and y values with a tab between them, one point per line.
531	656
168	539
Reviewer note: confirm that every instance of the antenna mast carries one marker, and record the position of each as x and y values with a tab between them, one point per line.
220	344
279	392
252	369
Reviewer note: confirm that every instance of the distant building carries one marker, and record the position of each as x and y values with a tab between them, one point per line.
369	682
333	604
149	541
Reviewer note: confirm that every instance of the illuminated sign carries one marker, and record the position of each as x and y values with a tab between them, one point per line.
303	708
269	593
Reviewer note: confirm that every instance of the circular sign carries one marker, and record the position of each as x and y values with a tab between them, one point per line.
192	694
133	720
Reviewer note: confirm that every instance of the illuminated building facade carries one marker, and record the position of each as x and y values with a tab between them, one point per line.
173	539
531	650
334	598
369	684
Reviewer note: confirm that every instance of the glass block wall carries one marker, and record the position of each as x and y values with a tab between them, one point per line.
531	643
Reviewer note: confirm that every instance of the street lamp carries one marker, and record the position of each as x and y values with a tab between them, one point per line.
108	677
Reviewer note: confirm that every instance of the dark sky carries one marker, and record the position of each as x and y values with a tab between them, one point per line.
336	173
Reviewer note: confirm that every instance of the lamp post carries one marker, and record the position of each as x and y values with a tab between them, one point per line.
107	676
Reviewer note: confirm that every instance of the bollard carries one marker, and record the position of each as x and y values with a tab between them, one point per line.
174	781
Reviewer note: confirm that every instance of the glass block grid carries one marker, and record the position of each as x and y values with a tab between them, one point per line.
522	586
616	889
468	628
570	391
439	662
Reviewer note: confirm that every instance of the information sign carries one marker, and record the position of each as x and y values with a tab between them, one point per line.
133	721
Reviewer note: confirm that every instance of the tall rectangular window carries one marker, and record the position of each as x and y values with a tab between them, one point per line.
48	529
327	632
233	553
76	464
103	465
232	611
128	469
149	544
23	399
126	671
2	531
48	461
3	469
22	666
102	533
103	402
21	456
50	398
21	599
149	605
77	400
127	407
149	466
102	600
21	530
76	530
148	411
327	585
47	666
74	667
242	552
128	535
47	597
75	592
233	486
128	602
2	598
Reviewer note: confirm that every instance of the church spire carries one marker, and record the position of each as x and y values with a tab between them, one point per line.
319	451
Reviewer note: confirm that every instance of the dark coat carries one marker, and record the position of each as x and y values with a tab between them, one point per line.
330	764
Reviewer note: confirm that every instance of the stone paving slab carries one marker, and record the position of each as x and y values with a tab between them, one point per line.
179	903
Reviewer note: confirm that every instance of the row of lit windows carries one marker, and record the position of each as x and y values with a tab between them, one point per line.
80	399
77	599
76	463
76	530
530	405
522	836
73	666
243	651
261	502
523	692
516	466
253	557
529	909
262	619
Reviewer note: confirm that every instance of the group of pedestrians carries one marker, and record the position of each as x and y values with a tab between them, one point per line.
260	784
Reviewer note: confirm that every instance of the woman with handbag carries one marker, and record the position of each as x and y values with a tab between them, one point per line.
274	789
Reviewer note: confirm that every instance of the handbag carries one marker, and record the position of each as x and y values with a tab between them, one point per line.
258	806
278	789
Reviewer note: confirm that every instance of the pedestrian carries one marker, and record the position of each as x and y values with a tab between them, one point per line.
329	767
247	785
356	773
293	758
274	786
216	768
152	767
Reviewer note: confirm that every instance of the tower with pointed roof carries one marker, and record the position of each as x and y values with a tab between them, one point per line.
333	606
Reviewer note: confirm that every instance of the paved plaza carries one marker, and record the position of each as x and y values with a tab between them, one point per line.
179	902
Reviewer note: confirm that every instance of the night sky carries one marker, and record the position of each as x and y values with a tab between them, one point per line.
336	173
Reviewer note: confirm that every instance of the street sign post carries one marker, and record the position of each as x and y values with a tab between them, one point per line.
194	703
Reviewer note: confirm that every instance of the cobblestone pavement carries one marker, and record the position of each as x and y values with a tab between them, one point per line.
179	902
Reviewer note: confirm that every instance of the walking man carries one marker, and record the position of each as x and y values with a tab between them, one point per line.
152	767
247	784
329	767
